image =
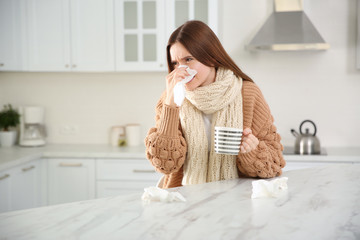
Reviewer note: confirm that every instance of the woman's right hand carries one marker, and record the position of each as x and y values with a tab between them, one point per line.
172	79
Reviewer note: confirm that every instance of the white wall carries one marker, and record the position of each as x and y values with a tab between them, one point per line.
321	86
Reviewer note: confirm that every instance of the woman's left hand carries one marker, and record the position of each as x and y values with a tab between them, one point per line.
249	141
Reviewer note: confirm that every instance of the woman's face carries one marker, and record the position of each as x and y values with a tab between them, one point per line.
181	56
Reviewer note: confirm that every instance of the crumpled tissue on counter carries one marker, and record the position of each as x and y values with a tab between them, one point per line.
161	195
269	189
179	89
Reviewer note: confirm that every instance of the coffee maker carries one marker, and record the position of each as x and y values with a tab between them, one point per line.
32	128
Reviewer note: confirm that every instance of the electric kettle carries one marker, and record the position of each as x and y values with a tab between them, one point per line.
306	143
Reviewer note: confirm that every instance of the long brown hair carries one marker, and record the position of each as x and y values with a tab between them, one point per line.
204	46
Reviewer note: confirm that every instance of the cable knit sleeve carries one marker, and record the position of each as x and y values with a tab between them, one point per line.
165	144
266	160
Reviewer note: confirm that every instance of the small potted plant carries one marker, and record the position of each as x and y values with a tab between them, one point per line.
9	119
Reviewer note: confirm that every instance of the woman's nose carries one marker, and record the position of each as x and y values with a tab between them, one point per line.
182	62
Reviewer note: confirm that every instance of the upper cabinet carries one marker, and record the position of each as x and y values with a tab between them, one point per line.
139	35
49	35
144	26
180	11
71	35
94	35
12	35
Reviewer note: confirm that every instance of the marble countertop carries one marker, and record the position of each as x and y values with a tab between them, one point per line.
14	156
331	154
320	203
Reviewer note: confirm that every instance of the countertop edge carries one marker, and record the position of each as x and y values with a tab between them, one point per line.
19	161
12	157
15	156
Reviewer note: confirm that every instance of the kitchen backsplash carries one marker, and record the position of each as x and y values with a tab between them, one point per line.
82	107
322	86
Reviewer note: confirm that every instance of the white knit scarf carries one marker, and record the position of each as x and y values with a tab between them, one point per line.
223	100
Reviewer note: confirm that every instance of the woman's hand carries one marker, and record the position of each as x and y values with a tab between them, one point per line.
249	141
172	78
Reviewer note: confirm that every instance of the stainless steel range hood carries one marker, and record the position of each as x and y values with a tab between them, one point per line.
288	29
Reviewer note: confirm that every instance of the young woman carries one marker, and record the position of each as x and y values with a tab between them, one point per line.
220	94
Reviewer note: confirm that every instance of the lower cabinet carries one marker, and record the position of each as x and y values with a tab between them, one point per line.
292	165
305	163
61	180
116	188
70	180
5	190
122	176
22	187
26	185
74	179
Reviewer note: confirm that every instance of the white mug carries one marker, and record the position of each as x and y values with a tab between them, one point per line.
133	134
227	140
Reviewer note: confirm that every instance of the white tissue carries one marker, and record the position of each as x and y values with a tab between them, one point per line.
266	189
161	195
179	89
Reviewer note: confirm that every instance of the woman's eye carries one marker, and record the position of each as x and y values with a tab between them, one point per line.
174	63
188	59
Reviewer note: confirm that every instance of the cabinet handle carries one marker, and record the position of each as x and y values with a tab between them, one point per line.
70	164
67	65
1	64
28	168
5	176
74	65
143	171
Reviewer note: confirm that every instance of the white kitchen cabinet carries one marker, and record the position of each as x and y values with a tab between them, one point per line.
292	165
302	163
5	190
21	187
143	28
71	35
140	35
70	180
26	186
180	11
122	176
49	35
12	35
94	35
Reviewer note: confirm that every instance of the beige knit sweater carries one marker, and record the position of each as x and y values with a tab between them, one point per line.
166	147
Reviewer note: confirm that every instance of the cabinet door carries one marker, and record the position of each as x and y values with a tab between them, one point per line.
11	35
49	35
92	35
126	169
294	165
140	30
5	191
71	180
180	11
116	188
26	184
123	176
20	187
